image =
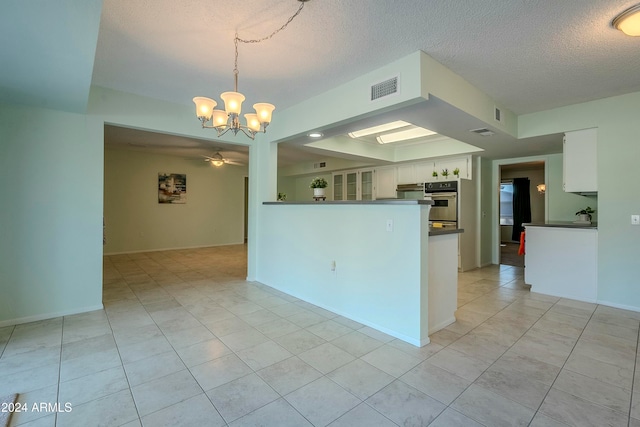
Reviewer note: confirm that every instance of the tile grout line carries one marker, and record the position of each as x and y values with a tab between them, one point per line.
564	363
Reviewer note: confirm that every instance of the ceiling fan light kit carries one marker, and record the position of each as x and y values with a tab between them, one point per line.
228	119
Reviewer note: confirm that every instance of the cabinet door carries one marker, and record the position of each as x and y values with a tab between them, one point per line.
386	183
424	171
338	187
366	185
352	185
580	168
407	174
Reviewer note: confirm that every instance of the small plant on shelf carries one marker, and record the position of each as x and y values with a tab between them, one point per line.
319	183
282	196
445	172
434	174
456	172
585	213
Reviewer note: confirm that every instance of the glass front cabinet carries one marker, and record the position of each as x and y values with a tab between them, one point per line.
354	185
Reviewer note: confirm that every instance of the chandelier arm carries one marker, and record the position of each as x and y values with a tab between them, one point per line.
248	132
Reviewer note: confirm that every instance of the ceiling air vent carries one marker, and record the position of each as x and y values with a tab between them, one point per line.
483	132
385	88
320	165
497	114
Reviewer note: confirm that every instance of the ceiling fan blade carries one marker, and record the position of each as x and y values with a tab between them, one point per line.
232	162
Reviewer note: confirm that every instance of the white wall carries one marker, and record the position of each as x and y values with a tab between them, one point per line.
213	214
380	278
51	214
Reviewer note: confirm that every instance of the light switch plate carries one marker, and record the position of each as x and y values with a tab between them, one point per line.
389	225
635	219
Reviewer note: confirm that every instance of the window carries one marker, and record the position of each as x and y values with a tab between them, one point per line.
506	203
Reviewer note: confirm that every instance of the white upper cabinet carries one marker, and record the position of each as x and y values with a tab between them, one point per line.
357	184
580	171
386	182
407	174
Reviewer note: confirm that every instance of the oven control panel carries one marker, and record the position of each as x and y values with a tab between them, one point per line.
434	187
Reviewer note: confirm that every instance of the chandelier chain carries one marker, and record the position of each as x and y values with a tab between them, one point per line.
238	39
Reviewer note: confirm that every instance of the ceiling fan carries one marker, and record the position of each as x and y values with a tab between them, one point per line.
217	160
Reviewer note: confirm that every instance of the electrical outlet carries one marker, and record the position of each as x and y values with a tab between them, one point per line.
635	219
333	266
389	225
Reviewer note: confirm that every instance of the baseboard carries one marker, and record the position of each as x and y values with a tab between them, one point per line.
172	249
620	306
442	325
38	317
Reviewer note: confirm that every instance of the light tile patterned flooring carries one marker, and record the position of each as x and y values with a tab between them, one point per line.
184	340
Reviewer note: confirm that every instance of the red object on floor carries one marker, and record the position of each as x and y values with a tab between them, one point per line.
521	248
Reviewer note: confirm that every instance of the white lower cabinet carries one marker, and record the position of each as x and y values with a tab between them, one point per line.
562	261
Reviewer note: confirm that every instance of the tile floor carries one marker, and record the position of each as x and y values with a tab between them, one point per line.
183	340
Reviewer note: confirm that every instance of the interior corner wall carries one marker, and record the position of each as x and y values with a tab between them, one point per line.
51	211
213	214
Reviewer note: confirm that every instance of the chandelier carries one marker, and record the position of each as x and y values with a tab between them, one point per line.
228	119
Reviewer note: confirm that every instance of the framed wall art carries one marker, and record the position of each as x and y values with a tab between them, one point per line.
172	188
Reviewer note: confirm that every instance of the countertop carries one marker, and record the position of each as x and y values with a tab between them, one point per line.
436	231
355	202
562	224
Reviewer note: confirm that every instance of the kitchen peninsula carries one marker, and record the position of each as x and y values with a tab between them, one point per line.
375	262
561	259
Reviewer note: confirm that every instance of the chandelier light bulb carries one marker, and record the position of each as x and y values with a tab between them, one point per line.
252	122
232	102
220	118
204	107
264	111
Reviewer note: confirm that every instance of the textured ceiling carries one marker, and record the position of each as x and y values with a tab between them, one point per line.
529	55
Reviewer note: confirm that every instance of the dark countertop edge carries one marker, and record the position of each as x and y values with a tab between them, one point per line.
441	231
562	224
356	202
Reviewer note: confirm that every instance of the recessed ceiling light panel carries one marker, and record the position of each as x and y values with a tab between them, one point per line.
379	129
403	135
315	135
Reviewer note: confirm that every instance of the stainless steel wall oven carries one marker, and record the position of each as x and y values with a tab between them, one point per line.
444	209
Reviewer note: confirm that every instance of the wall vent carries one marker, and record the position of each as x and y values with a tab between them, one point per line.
497	114
385	88
320	165
483	132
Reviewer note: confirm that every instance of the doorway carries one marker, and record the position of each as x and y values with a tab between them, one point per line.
509	241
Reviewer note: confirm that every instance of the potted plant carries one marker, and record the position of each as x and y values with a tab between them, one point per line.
318	184
456	172
434	174
445	172
585	214
282	197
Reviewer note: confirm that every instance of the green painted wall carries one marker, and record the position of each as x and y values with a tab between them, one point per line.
51	214
618	193
213	214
